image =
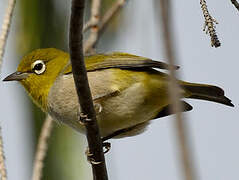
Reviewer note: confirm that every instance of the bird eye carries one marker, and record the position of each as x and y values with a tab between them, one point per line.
38	67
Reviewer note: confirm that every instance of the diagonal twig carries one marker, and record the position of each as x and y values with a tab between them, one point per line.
107	16
42	147
84	96
3	39
174	93
114	9
103	23
88	25
209	25
94	21
236	4
95	15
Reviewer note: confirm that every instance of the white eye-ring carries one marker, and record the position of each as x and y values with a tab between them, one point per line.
38	67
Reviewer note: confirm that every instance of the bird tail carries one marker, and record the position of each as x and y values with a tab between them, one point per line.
206	92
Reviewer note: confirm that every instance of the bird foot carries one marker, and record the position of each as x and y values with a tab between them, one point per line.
106	146
90	158
83	118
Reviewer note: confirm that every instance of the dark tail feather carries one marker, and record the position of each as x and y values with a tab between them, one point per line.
167	110
206	92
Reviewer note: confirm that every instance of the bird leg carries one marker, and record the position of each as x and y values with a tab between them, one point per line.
90	158
106	146
83	118
98	107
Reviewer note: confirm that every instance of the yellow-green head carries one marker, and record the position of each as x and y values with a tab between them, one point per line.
37	72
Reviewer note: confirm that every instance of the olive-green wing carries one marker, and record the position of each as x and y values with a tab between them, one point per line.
120	60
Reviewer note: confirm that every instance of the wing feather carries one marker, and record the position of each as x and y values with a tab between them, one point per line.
120	60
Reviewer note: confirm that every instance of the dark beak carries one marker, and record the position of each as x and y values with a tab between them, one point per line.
17	76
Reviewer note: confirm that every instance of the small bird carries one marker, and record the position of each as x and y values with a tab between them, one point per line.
128	91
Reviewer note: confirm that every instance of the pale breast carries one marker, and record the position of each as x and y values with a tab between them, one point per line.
120	111
63	103
63	100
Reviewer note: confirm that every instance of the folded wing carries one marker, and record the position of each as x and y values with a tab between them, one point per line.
121	60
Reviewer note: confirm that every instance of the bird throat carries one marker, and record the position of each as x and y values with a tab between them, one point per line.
38	93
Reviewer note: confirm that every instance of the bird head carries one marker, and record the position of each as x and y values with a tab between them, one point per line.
37	72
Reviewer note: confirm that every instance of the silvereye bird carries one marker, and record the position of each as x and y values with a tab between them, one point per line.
127	90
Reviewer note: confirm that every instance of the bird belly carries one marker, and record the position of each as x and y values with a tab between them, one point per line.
128	108
121	112
125	110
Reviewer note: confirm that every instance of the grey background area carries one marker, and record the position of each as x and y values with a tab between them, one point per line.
213	128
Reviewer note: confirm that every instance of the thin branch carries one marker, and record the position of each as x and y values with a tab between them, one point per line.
108	16
42	148
209	25
95	15
94	21
3	39
5	28
3	170
88	25
236	4
174	92
87	114
112	12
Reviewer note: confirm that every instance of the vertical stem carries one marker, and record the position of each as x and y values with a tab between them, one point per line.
42	147
174	93
95	19
5	28
3	39
3	170
83	90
